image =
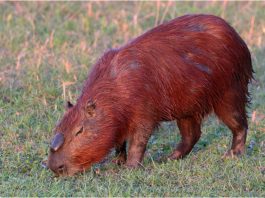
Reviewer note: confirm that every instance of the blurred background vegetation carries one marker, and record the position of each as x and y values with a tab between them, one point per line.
46	50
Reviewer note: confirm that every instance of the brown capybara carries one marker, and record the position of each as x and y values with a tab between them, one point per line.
181	70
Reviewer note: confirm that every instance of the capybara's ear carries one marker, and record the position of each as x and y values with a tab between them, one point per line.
69	105
90	108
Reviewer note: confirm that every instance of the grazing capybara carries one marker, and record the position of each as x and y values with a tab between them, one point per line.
181	70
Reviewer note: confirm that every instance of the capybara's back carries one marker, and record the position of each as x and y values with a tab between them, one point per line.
181	70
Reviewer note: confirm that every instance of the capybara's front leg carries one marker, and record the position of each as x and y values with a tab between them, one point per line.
137	146
120	154
190	130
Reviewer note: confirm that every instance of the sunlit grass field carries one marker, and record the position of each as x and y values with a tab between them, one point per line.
46	51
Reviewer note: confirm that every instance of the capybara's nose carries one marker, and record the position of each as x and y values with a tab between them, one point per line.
56	166
59	169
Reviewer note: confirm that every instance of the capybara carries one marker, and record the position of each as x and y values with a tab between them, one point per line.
181	70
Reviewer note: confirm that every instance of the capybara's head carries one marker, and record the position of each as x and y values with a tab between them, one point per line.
79	140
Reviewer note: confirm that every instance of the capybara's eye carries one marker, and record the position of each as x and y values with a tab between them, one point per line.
80	131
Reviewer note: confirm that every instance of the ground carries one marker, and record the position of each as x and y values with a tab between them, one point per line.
46	50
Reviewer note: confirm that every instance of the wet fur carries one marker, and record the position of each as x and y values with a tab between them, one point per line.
181	70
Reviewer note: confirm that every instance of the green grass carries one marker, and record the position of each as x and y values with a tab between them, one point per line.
45	45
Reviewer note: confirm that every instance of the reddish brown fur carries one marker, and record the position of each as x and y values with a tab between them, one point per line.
181	70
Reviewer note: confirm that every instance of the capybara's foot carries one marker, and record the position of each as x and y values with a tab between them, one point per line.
119	160
233	153
132	165
175	155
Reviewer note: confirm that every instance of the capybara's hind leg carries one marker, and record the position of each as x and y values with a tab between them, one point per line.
137	145
120	154
190	130
231	110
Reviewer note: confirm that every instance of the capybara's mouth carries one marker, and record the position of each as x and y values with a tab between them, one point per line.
59	172
44	164
62	171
